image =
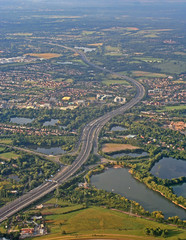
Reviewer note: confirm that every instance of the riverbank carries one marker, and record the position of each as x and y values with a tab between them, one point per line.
162	194
120	181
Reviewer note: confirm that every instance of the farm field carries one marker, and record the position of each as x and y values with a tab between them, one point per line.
113	147
44	55
114	81
96	222
149	59
117	54
171	66
95	44
148	74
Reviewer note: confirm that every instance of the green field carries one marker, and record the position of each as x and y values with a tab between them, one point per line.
149	59
114	81
96	222
1	149
114	54
5	141
172	108
9	155
142	74
171	66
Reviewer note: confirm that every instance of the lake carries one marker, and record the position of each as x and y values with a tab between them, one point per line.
21	120
52	122
142	154
121	181
118	128
180	190
49	151
169	168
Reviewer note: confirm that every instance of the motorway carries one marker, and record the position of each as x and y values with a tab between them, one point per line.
88	138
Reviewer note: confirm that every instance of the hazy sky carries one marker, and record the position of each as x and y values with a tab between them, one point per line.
94	1
85	3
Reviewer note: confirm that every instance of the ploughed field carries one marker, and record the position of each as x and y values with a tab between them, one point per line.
114	147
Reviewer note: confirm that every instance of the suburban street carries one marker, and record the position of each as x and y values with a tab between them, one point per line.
88	138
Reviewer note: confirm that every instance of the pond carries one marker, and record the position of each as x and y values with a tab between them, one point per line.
49	151
21	120
118	128
169	168
52	122
180	190
142	154
121	181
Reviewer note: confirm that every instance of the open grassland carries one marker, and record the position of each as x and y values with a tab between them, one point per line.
117	54
172	108
172	66
97	222
44	55
113	147
1	149
9	155
5	141
112	49
149	59
148	74
114	81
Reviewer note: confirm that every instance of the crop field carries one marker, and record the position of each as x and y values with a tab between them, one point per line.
44	55
98	222
113	147
95	44
148	74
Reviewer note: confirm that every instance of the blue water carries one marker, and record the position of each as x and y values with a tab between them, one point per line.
121	181
169	168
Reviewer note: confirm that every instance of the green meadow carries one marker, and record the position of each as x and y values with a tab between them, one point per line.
9	155
76	222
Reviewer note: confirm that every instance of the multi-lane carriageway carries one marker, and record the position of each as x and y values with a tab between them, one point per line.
88	138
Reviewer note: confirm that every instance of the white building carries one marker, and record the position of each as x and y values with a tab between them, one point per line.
119	100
